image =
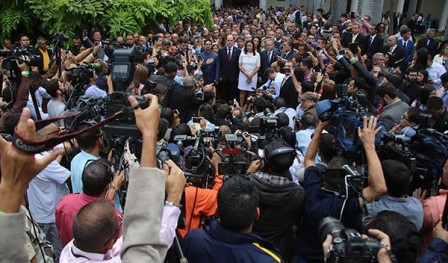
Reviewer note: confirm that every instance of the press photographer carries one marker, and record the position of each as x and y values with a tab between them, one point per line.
334	199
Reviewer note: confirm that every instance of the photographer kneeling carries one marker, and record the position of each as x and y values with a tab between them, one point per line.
326	201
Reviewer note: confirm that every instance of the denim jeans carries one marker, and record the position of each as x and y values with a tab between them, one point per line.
51	232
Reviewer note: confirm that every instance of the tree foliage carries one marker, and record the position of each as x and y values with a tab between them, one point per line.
117	17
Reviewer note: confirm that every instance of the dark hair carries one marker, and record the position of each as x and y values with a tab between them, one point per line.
444	77
308	120
268	71
288	135
253	47
307	62
414	115
279	102
424	94
394	79
410	70
397	177
11	121
170	67
206	111
425	74
168	115
327	147
422	59
163	127
51	87
282	119
387	89
237	203
95	177
434	103
181	129
299	74
278	164
403	234
87	140
94	225
223	111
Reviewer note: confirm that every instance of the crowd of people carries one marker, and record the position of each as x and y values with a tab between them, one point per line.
250	66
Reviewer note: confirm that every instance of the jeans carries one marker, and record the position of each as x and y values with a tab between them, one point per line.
51	232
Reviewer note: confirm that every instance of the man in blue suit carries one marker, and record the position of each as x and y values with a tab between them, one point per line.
408	45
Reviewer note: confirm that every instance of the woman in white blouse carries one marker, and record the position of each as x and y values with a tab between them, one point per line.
442	58
249	64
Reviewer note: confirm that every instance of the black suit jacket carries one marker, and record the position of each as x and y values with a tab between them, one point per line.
398	53
370	48
347	39
289	56
266	62
433	47
228	70
289	93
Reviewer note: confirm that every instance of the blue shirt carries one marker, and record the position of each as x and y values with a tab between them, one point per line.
77	167
303	139
94	91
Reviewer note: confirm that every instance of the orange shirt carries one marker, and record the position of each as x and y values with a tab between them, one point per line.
206	205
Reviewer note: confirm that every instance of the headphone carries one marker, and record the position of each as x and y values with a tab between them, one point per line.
280	151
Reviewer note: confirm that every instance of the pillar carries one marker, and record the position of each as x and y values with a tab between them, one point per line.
337	8
262	4
400	6
412	8
218	3
443	19
372	8
354	6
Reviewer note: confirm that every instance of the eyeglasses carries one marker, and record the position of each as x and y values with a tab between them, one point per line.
120	223
404	117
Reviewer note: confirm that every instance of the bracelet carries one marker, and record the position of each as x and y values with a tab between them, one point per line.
25	73
353	59
168	203
2	213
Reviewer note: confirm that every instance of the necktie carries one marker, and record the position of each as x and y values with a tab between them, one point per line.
427	41
269	56
269	85
228	54
371	40
286	54
405	43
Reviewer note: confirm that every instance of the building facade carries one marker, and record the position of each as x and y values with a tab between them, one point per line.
375	8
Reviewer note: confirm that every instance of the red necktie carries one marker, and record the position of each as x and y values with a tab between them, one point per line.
228	54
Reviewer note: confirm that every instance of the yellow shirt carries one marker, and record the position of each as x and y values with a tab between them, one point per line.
46	59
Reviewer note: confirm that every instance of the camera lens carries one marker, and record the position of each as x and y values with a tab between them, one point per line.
328	226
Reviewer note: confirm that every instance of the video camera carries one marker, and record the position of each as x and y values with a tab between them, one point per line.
12	56
345	116
348	245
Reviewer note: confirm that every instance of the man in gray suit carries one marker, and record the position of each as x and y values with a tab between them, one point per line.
394	108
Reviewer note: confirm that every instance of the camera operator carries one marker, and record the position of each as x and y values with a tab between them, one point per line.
93	90
15	99
97	184
56	105
45	54
439	114
200	202
170	71
231	239
39	94
307	127
281	200
398	178
308	102
25	43
184	99
326	201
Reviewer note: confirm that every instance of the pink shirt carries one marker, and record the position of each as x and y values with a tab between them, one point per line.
66	210
432	214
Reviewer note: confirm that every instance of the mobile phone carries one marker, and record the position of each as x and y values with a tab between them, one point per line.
197	123
353	47
196	119
341	52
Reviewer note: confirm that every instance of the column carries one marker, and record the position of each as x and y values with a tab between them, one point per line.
262	4
337	8
400	6
412	8
372	8
354	6
218	3
443	19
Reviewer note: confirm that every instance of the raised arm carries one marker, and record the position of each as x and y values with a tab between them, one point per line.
377	184
314	144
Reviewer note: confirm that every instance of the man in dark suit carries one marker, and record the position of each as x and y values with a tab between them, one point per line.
398	21
227	62
287	51
372	43
288	91
429	42
394	49
267	56
408	45
353	36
